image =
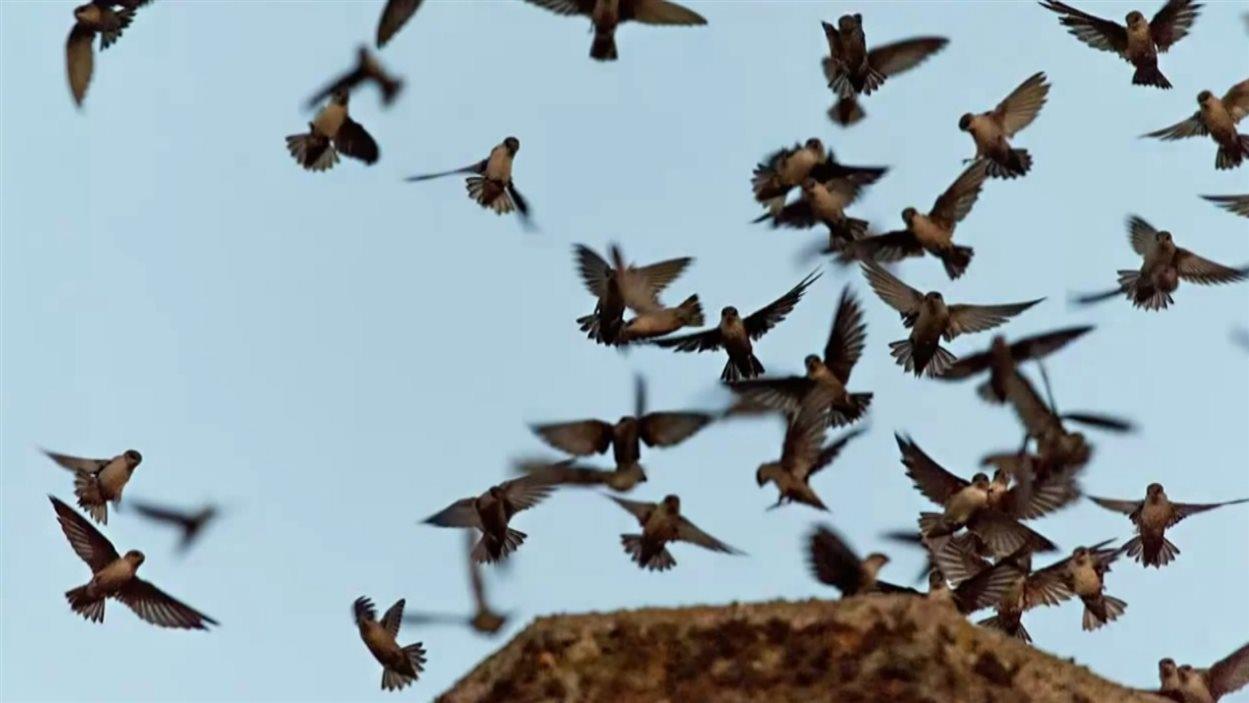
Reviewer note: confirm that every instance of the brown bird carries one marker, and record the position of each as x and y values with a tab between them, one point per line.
932	233
830	373
332	131
1164	265
568	472
1218	119
492	185
823	203
97	482
852	69
1140	42
930	319
400	665
367	69
786	169
1237	204
663	523
1000	359
1228	675
617	286
491	512
834	563
991	131
735	333
113	576
395	14
1080	575
606	15
484	619
1152	517
626	436
190	523
803	454
97	17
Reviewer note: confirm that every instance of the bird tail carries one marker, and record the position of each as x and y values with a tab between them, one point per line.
90	499
1143	293
657	561
395	680
691	312
1017	630
1150	75
846	111
956	259
1231	157
1101	610
109	36
1017	163
872	80
594	328
934	525
489	193
313	151
839	415
90	608
1158	557
390	89
732	372
489	550
604	46
904	353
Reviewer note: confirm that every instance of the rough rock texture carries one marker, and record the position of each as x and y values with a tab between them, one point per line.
860	650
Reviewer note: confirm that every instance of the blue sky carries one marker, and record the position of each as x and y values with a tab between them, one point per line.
336	356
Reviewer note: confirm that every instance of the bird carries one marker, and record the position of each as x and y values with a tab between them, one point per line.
1228	675
930	319
113	576
491	512
1001	358
191	524
627	435
484	619
1152	517
1164	265
991	131
102	17
332	131
617	286
367	69
491	185
401	666
932	233
395	14
735	333
1236	204
1082	575
1138	43
662	523
607	15
803	454
98	482
852	69
786	169
834	563
831	372
1218	119
823	203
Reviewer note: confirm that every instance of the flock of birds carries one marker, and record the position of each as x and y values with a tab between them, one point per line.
980	549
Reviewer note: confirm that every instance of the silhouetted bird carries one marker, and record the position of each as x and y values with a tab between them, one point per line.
1000	359
803	453
491	512
852	69
663	523
367	69
107	18
617	286
191	524
786	169
1238	204
395	14
484	619
823	203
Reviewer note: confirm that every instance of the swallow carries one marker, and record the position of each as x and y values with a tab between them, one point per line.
991	131
735	333
567	472
932	233
491	185
484	619
1236	204
663	523
1001	358
103	17
803	454
1164	265
786	169
1083	574
1152	517
330	132
930	319
830	373
400	665
834	563
1057	449
367	69
491	512
965	504
851	69
395	14
113	576
190	523
97	482
618	286
1228	675
1140	42
606	15
1218	119
823	203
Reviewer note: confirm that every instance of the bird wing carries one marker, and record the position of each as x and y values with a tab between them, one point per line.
1021	107
636	508
833	562
830	452
346	81
525	492
393	617
395	14
641	286
669	428
986	588
689	532
1172	22
159	514
954	204
847	336
1033	412
1192	127
594	269
461	513
1196	269
894	58
1236	100
355	141
1098	33
1041	345
161	609
75	463
90	546
1231	673
893	291
797	215
1183	510
565	7
1127	507
660	12
882	248
562	472
930	478
783	394
772	314
79	60
966	319
1238	204
1048	586
479	167
707	340
1142	236
804	435
1032	498
1003	534
362	609
579	438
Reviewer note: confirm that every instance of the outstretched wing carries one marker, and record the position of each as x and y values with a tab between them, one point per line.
1192	127
1024	103
954	204
395	14
930	478
689	532
91	546
965	319
1098	33
847	336
893	291
764	319
1196	269
894	58
161	609
1172	22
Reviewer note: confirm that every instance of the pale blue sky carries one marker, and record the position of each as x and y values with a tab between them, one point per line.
336	356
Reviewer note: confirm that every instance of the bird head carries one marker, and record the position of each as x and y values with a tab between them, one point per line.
133	458
341	97
1134	18
729	313
512	144
135	557
812	362
1154	491
814	144
908	215
876	561
964	122
672	502
848	23
1166	668
1163	237
933	296
1204	96
981	481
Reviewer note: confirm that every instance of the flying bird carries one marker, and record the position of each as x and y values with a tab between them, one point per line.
1191	685
97	482
1000	359
933	232
1217	119
107	18
113	576
663	523
830	373
491	185
191	524
735	333
786	169
834	563
1237	204
395	14
823	203
851	69
1164	265
606	15
332	131
1138	43
400	665
367	69
991	131
930	319
617	286
803	454
484	619
491	512
1152	517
